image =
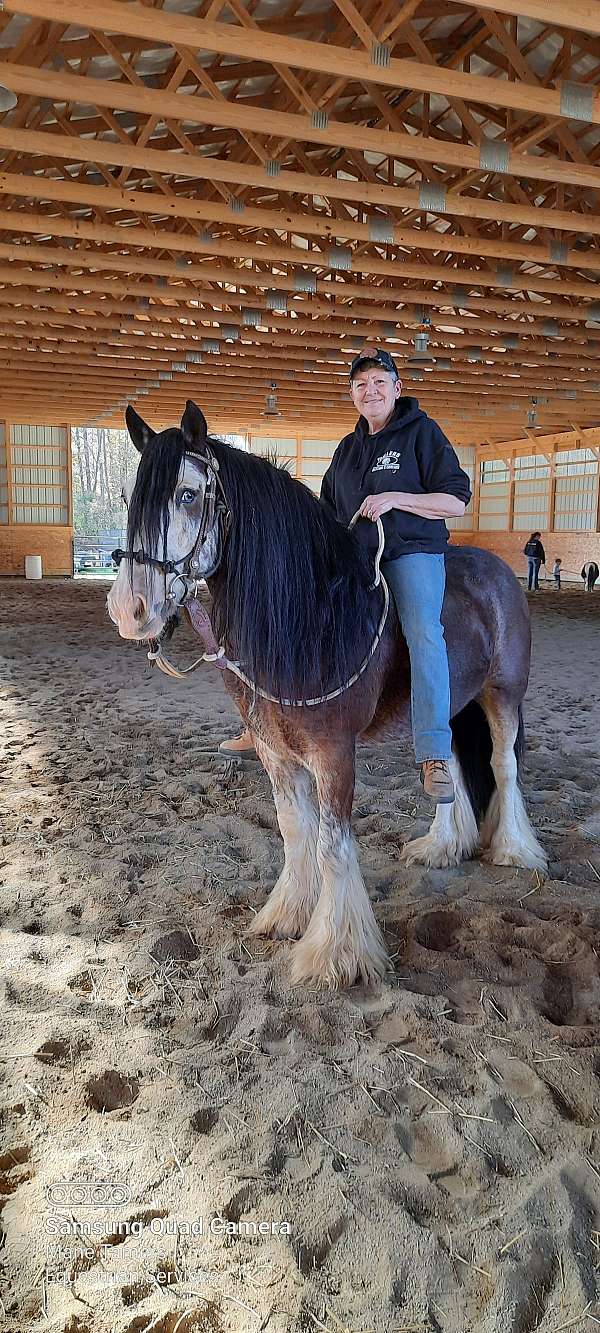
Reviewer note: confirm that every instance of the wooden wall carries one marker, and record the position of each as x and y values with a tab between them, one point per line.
35	485
55	545
574	548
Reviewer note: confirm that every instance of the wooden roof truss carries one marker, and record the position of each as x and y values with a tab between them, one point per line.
210	199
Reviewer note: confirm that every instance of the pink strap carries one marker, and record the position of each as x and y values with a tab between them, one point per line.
201	622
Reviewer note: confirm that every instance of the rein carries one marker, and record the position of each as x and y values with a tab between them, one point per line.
219	659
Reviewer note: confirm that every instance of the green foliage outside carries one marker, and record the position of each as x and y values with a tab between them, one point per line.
104	461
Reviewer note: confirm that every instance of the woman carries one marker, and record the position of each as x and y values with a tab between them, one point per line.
536	556
396	445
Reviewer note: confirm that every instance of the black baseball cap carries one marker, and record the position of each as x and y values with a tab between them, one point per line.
376	354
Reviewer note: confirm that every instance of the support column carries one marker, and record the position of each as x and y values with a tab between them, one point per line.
9	471
551	497
476	492
511	494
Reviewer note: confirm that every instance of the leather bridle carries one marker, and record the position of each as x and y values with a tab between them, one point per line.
187	570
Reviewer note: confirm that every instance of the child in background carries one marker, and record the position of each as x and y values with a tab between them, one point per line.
556	571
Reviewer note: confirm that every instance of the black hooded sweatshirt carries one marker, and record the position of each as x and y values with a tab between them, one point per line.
410	454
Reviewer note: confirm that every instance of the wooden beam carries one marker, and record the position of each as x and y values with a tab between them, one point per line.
195	167
163	236
185	293
193	109
357	262
175	29
584	15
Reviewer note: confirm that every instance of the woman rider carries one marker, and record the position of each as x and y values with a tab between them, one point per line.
395	444
398	465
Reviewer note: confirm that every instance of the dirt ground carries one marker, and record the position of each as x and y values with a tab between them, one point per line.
426	1157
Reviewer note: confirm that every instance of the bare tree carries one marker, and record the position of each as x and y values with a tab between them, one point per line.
103	460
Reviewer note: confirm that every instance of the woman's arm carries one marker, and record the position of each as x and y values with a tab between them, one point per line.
436	505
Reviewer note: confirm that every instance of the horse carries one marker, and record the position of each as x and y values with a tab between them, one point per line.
315	659
590	574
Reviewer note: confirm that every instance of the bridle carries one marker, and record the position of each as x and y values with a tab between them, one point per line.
214	509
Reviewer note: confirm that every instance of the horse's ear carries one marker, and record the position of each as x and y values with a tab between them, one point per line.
140	433
193	423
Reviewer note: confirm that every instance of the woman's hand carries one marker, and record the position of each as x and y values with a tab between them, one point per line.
431	505
376	505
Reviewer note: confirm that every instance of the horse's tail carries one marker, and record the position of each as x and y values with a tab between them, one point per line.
473	743
520	742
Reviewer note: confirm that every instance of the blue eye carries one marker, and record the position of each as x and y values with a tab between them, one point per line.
187	497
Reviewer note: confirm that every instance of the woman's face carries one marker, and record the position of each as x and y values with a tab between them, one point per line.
374	393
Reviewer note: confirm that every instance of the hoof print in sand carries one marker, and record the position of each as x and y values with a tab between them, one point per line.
438	930
558	999
54	1052
136	1292
177	947
311	1255
243	1201
111	1091
204	1119
76	1325
204	1320
10	1175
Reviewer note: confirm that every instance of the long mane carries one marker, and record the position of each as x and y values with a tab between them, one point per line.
292	599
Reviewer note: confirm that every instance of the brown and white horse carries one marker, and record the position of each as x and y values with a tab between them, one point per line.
298	616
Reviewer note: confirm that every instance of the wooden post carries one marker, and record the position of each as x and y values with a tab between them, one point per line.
511	494
70	519
550	516
6	469
69	465
9	472
476	491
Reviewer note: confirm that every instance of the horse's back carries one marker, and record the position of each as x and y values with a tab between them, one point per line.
486	622
475	566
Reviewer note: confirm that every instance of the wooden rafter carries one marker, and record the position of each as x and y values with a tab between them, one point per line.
252	197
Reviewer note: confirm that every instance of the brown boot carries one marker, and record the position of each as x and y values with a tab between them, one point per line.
437	781
240	745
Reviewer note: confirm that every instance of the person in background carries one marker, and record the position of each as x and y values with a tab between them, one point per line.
556	571
589	574
536	556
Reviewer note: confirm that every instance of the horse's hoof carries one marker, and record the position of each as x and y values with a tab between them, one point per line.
340	968
428	852
276	924
527	858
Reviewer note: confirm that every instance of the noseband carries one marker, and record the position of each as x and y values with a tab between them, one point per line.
214	508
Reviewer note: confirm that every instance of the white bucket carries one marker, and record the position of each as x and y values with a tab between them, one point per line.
33	566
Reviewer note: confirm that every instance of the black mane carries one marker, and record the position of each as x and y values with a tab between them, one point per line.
292	600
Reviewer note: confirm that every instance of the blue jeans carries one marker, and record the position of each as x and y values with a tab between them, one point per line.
417	583
533	573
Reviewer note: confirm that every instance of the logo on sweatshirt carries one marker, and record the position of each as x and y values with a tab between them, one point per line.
389	462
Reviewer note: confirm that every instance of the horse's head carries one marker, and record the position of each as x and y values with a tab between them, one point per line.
175	530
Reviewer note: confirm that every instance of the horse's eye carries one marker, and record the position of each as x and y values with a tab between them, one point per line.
187	497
